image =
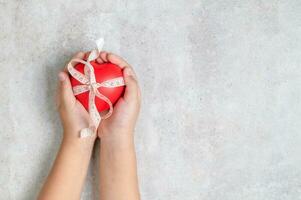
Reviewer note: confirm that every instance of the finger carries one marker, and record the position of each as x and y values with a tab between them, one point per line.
132	88
103	56
117	60
66	96
80	55
99	60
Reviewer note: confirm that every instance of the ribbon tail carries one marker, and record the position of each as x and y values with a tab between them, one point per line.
86	132
94	116
105	99
89	78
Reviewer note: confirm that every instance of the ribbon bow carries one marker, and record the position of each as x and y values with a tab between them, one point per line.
89	83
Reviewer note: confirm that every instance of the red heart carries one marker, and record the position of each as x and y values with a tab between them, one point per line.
102	73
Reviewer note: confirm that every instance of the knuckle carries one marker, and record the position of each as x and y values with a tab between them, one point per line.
79	53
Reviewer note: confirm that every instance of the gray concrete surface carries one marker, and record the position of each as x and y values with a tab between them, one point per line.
221	93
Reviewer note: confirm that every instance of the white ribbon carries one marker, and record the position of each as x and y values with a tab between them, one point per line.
90	85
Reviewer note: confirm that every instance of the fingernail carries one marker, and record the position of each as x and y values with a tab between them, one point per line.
62	76
128	71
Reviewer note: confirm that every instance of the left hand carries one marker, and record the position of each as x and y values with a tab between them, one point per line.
73	115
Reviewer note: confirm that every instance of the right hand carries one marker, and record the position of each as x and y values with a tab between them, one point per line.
122	121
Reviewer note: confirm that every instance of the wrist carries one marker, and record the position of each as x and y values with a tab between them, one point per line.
75	142
117	141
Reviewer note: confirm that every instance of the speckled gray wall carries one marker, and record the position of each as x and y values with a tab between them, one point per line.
221	84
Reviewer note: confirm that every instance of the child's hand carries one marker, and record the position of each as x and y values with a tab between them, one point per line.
73	115
122	121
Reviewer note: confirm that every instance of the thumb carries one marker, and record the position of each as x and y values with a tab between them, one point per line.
66	96
132	89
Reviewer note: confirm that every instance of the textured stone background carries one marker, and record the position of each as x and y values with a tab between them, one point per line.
221	86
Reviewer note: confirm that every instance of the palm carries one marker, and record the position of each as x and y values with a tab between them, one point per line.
120	119
78	118
83	115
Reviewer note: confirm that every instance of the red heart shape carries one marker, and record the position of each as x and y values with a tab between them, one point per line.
102	73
